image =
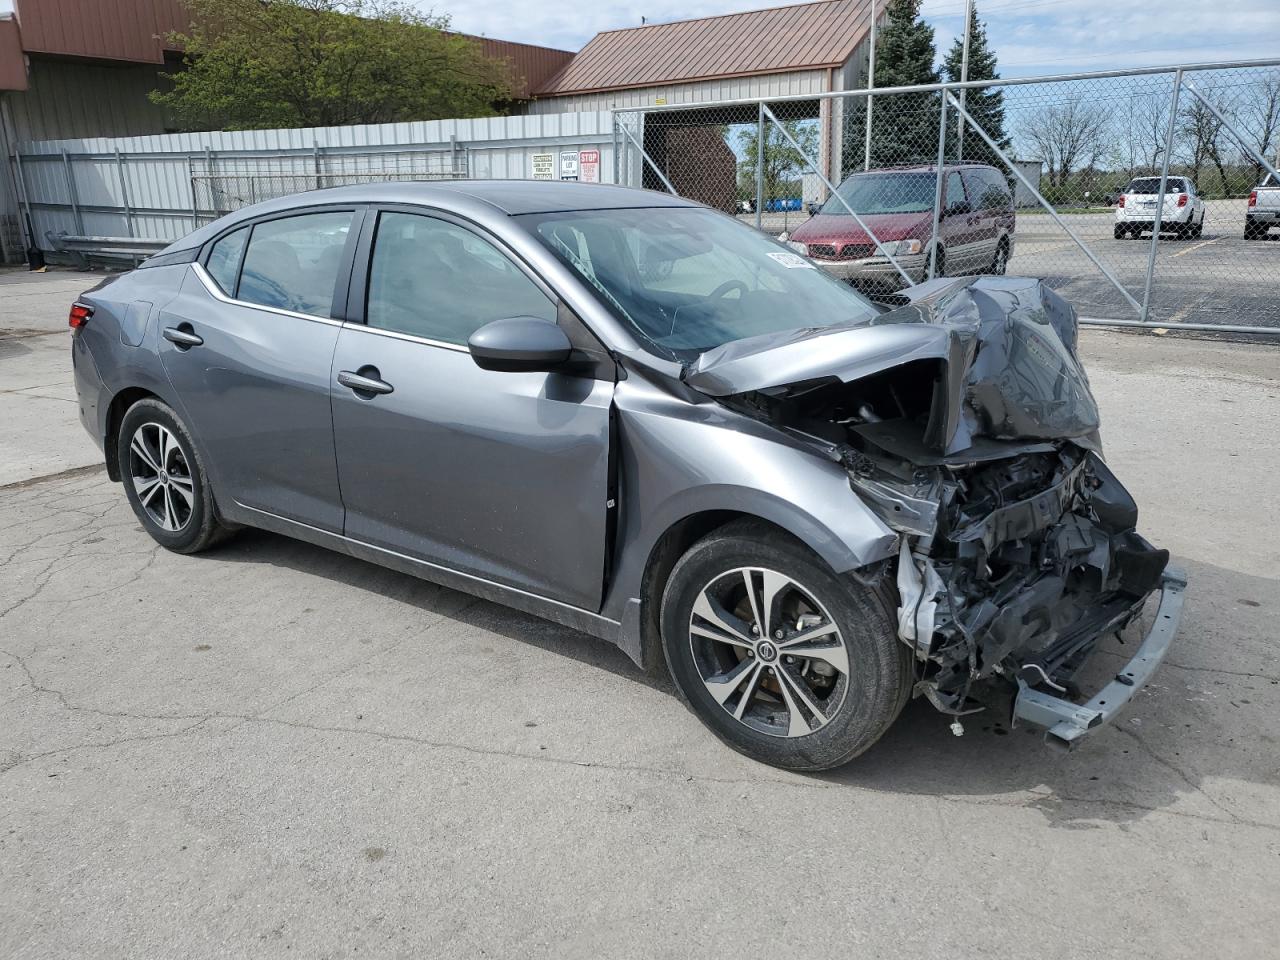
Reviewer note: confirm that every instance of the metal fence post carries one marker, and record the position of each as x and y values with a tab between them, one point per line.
124	193
71	193
195	200
937	186
760	165
871	85
644	157
1144	316
315	161
25	199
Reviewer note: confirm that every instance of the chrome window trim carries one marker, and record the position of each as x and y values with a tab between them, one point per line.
409	337
217	293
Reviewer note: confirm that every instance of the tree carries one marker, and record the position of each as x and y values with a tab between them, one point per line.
904	126
783	166
1260	121
1065	135
292	63
984	104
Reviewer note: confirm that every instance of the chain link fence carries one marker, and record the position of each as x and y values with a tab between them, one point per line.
1135	194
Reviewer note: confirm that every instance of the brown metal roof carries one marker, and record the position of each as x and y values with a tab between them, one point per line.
803	37
13	66
531	66
131	30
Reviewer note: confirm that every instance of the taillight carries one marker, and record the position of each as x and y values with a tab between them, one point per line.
1120	202
1182	199
1253	198
79	316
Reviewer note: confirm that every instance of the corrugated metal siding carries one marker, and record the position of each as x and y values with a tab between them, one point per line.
82	99
740	44
703	91
155	171
100	29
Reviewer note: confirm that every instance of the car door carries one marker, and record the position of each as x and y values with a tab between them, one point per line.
983	218
248	346
958	230
499	475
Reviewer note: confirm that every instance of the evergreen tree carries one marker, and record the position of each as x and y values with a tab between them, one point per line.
984	104
904	126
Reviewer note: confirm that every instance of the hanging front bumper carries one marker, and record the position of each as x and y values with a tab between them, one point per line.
1067	723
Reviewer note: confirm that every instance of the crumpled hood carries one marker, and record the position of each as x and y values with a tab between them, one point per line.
1006	346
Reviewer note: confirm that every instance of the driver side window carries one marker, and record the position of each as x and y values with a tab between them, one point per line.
433	279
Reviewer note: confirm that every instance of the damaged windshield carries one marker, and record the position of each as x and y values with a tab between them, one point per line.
688	279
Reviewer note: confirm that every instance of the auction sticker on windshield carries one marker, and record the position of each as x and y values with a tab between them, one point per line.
791	260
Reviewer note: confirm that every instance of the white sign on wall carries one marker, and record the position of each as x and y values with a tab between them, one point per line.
544	166
589	166
569	165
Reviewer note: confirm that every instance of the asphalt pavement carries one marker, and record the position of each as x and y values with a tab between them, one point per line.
271	750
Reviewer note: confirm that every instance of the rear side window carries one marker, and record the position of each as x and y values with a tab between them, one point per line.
292	263
224	260
1151	185
436	280
955	188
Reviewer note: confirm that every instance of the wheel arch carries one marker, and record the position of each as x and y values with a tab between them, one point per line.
116	409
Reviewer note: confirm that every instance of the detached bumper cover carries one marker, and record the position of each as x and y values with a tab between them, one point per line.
1067	723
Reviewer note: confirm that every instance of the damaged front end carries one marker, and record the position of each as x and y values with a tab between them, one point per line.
966	423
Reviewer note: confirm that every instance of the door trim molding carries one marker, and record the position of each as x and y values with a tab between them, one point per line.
536	604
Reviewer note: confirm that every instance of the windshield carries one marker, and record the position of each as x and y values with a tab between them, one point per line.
884	193
688	279
1150	185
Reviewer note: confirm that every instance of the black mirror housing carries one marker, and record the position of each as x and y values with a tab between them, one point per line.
520	344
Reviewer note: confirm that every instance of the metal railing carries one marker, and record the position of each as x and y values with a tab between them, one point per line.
1046	163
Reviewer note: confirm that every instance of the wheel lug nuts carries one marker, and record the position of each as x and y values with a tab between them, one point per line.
777	635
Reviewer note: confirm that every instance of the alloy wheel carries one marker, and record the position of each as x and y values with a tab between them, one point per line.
161	477
768	652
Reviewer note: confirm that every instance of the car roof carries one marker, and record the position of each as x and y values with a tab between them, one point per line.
509	197
925	168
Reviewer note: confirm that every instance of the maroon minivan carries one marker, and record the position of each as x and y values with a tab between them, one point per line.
975	228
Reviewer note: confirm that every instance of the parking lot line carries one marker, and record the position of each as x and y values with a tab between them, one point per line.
1183	253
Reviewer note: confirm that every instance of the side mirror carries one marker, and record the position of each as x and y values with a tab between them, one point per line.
813	207
519	344
958	208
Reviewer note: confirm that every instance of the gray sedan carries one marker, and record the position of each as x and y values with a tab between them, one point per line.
640	418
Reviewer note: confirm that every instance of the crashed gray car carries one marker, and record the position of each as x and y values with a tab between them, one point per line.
635	416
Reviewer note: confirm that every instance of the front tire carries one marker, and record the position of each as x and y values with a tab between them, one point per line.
784	660
165	480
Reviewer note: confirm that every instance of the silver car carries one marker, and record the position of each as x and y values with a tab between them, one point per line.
639	418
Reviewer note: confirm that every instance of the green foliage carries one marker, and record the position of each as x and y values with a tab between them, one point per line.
985	105
300	63
904	126
783	166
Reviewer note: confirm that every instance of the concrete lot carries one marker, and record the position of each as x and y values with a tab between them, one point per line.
272	750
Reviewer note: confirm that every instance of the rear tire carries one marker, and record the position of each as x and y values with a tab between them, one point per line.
942	262
165	480
1000	262
1119	230
1251	231
800	713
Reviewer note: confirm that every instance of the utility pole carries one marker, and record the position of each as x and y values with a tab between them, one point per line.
871	85
964	75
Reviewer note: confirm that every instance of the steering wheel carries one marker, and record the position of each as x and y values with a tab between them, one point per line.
724	289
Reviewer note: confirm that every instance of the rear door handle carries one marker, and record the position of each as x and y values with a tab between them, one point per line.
364	381
183	339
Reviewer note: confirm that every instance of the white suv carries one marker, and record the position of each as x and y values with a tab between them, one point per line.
1183	212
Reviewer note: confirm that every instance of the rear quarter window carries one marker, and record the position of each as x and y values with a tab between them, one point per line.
224	260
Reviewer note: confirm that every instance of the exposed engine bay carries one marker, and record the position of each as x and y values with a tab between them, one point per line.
970	430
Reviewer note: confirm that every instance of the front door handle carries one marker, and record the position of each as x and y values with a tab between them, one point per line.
182	336
366	380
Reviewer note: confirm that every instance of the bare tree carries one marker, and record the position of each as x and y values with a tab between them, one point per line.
1202	133
1259	121
1064	135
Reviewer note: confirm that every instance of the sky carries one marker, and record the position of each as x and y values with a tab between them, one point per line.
1031	37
